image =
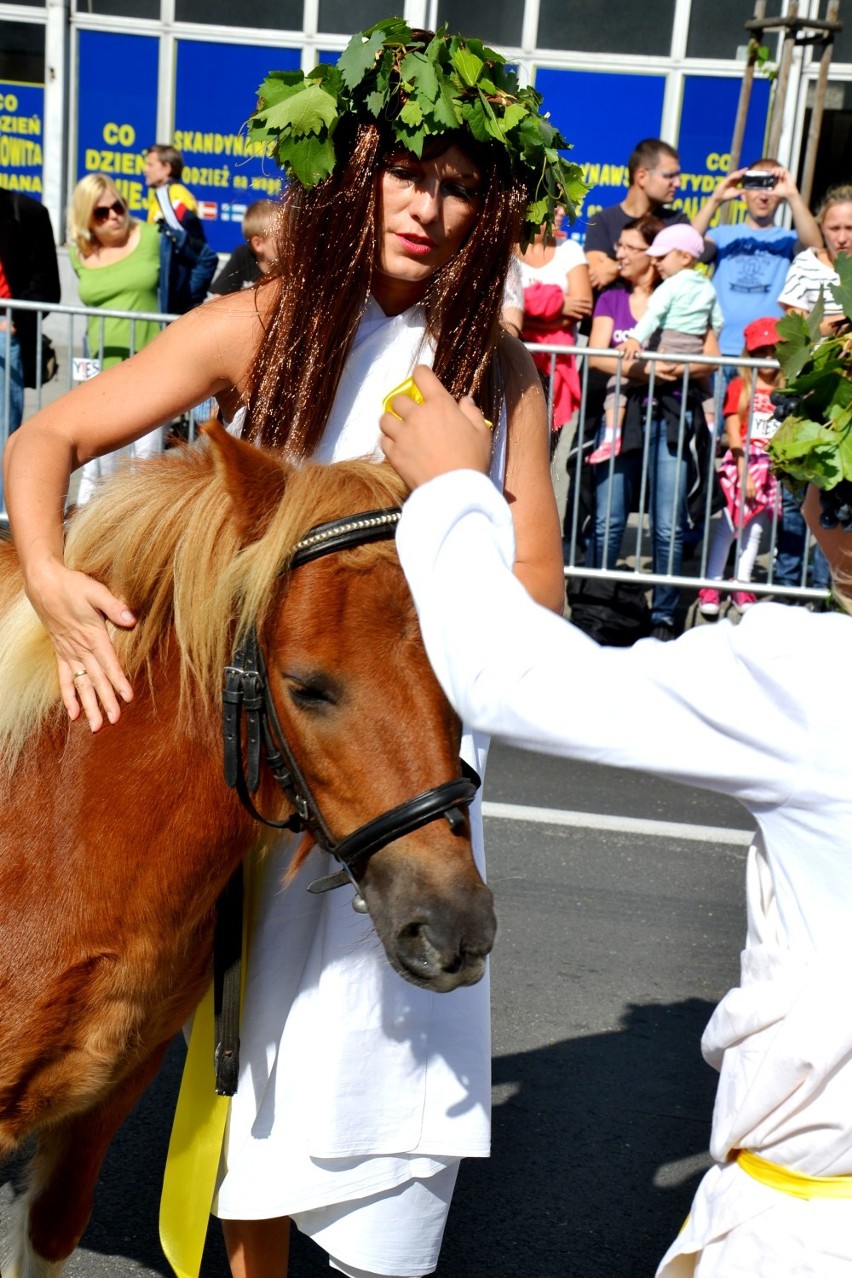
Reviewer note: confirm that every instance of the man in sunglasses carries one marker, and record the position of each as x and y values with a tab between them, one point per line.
187	262
653	172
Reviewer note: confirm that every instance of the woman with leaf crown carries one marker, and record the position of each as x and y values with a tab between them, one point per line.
415	165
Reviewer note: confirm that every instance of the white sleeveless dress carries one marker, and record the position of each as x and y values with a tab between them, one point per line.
358	1093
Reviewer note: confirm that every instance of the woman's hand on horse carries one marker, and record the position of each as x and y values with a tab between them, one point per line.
74	609
422	441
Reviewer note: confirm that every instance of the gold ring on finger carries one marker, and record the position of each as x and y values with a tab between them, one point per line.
78	674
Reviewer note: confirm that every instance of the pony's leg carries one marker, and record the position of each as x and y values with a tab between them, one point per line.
58	1203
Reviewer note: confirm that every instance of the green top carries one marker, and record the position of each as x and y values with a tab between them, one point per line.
130	284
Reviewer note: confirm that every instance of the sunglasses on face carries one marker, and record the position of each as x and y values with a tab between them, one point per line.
101	212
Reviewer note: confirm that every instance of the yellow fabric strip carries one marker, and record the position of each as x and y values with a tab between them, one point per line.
198	1130
189	1181
794	1183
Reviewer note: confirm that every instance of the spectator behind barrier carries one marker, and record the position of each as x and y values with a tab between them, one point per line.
751	257
258	255
654	174
677	475
557	293
117	263
187	262
29	272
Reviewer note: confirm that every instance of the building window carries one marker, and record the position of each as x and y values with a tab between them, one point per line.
121	8
274	15
22	52
494	21
345	17
621	26
717	29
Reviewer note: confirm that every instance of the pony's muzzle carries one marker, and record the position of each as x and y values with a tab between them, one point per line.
442	953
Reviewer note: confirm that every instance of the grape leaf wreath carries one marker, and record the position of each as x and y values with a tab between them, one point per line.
813	444
421	90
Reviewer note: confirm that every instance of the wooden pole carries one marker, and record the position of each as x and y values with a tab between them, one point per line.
780	95
755	41
818	107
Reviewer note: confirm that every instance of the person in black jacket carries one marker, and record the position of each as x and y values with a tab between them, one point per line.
28	272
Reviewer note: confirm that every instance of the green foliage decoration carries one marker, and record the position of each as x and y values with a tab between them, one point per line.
813	445
420	90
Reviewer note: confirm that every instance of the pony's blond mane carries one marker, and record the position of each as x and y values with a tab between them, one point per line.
163	535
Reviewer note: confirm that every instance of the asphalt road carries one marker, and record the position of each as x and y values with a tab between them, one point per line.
614	946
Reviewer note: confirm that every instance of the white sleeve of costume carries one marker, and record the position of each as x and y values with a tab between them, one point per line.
713	708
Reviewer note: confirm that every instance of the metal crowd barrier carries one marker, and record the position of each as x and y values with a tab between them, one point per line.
79	359
634	561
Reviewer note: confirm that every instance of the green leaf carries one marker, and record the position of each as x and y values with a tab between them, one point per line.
468	66
444	110
310	159
842	292
359	56
278	85
512	116
411	113
794	348
417	69
309	110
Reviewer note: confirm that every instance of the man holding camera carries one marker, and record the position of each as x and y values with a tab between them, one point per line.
750	258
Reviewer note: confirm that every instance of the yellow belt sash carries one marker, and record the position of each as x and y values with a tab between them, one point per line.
796	1184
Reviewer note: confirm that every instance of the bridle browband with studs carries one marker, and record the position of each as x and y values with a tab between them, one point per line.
246	692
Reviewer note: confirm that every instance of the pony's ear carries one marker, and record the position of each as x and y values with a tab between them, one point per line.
255	479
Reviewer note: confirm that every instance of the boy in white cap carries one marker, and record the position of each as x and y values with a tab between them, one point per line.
682	308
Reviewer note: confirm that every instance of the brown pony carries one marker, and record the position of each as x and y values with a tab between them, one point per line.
115	847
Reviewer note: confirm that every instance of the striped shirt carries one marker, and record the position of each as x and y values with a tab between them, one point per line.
806	276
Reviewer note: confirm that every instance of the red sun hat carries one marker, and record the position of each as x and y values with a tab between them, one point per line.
761	332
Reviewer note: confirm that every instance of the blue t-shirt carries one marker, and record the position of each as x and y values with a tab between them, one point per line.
750	269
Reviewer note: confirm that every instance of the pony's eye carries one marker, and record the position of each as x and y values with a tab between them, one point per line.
309	695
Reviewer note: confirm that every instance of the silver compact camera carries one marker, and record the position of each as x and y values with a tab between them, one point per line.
758	180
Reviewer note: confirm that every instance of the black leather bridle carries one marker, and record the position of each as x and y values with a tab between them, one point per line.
246	692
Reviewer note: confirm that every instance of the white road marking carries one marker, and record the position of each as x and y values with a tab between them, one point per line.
623	824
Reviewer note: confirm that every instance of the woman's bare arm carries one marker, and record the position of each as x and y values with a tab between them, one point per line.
205	352
528	485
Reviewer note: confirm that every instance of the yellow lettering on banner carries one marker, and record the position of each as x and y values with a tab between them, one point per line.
272	186
718	162
119	134
8	102
190	141
240	182
20	124
30	182
18	153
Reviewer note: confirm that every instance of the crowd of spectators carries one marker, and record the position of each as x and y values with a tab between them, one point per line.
713	287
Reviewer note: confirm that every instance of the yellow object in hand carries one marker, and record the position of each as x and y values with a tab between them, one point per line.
410	388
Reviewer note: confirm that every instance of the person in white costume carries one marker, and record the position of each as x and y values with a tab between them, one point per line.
737	710
359	1093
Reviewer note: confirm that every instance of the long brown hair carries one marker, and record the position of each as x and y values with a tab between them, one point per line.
329	243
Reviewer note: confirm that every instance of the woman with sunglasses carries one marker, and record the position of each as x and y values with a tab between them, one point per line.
117	263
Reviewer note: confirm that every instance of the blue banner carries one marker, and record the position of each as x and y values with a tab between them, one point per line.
604	115
117	112
21	137
216	93
707	119
628	108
